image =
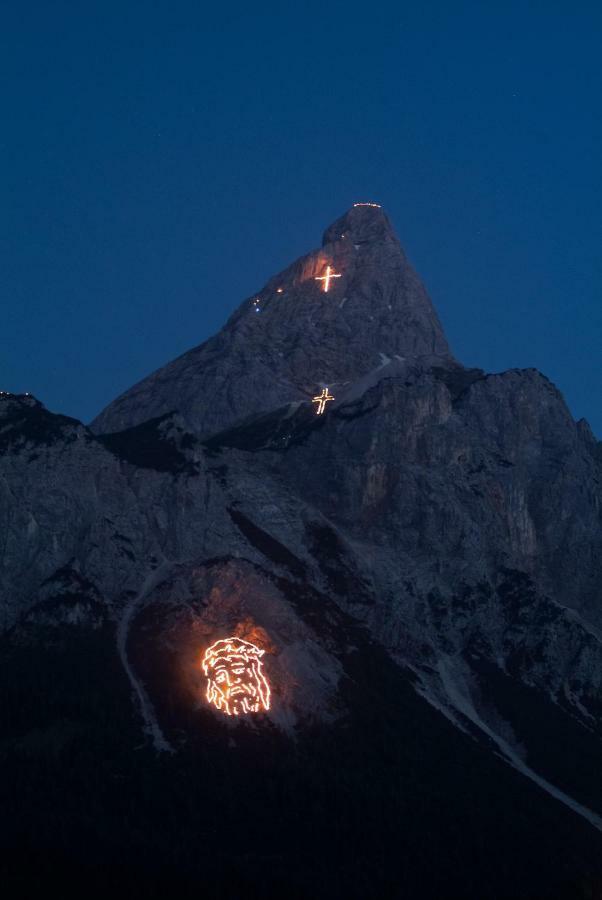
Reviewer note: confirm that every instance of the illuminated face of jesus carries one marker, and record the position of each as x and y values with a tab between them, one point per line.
236	684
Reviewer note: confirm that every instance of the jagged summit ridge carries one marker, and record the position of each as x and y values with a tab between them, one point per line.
329	317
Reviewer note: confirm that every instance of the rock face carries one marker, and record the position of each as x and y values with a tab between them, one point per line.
284	342
420	565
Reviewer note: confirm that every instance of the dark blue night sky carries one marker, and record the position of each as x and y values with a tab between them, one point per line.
160	160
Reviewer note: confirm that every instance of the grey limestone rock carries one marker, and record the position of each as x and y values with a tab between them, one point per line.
291	337
456	515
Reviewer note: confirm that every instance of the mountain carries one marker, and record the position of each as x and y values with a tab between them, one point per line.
418	568
293	336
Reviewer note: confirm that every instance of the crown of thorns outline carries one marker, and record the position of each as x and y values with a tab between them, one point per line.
226	648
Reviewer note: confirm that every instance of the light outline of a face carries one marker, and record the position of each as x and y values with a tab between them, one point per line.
233	668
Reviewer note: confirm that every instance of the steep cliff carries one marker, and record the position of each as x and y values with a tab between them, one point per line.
293	335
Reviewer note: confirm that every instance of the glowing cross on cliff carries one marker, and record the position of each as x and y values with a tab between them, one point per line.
322	400
326	278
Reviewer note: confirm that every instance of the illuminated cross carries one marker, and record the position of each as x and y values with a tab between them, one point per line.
326	278
322	400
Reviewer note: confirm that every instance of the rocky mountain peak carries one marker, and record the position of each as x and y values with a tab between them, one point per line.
364	222
25	422
10	402
330	317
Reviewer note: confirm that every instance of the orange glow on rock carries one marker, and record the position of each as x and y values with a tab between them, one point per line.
322	399
236	684
326	278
